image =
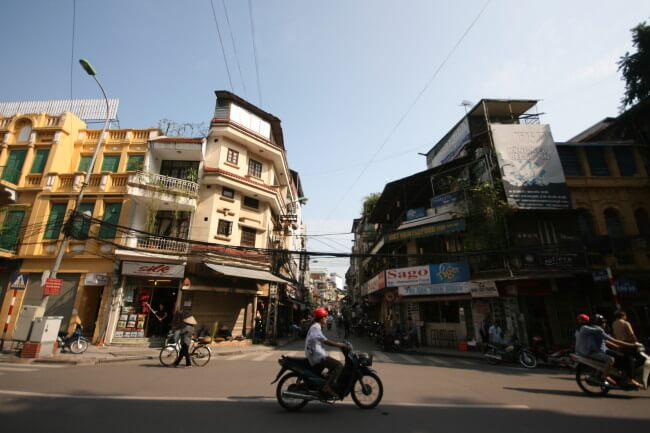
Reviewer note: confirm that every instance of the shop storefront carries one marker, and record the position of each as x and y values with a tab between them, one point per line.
149	295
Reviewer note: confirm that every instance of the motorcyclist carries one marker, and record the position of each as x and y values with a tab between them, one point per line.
593	342
316	353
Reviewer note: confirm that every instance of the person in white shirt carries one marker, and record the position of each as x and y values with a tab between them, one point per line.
316	353
495	334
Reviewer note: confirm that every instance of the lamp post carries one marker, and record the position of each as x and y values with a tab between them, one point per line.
85	64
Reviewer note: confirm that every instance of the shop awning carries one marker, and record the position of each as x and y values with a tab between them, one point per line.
252	274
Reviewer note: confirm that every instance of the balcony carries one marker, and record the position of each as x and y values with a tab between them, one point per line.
155	244
147	186
115	183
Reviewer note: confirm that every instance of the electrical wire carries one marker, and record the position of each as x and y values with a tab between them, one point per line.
223	51
234	47
410	107
257	69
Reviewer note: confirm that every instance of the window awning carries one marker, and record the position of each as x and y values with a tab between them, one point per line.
253	274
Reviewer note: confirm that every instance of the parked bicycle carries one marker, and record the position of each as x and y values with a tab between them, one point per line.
200	352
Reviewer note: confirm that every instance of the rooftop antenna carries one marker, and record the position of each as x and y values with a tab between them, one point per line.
465	103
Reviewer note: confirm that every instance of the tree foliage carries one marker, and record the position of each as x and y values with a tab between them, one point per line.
369	203
635	68
171	128
487	211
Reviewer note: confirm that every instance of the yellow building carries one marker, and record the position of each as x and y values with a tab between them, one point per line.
44	159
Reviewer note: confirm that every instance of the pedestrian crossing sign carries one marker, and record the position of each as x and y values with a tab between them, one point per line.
19	281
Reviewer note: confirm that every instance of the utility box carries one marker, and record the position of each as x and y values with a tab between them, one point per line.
45	329
25	319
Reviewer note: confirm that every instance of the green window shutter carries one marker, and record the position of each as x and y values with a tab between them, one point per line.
55	221
81	225
135	162
40	159
110	163
84	163
11	172
11	230
112	217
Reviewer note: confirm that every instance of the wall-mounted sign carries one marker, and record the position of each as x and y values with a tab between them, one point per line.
52	286
96	279
444	199
435	289
416	213
408	276
450	146
483	289
376	283
625	285
452	272
456	225
153	269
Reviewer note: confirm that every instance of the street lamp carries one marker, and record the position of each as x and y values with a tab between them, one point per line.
85	64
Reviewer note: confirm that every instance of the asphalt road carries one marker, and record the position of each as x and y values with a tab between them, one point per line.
233	393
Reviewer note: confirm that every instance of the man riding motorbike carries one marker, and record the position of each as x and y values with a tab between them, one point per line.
593	342
316	353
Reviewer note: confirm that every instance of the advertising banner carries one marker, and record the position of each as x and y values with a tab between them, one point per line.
376	283
530	166
450	146
444	199
435	289
456	225
416	213
452	272
408	276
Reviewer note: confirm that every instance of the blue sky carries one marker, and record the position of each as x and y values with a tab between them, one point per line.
339	73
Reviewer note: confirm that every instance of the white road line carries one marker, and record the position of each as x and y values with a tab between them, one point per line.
263	356
408	358
22	370
16	365
234	357
234	400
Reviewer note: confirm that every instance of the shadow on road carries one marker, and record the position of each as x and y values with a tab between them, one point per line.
245	414
576	393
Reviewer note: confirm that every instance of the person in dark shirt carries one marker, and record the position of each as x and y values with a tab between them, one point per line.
186	340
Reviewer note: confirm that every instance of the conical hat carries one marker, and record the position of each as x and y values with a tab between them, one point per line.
190	320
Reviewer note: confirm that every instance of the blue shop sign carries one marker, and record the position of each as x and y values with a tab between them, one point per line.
599	276
416	213
443	199
452	272
625	285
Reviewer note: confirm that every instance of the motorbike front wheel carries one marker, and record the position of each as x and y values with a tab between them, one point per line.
291	382
367	391
527	359
78	346
492	356
168	356
589	381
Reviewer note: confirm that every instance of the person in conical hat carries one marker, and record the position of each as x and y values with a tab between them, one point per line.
186	340
190	320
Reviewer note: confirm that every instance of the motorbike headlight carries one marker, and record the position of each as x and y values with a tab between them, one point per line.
397	342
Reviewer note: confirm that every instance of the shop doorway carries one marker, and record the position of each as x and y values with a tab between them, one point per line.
143	297
89	308
163	300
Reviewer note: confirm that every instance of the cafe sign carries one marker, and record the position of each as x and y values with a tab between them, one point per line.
408	276
157	270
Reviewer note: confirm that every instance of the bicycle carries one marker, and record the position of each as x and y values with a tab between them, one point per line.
200	352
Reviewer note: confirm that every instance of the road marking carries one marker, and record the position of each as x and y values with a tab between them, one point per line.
23	370
16	365
240	400
234	357
263	357
408	358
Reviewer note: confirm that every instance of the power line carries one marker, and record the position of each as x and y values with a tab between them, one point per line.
225	60
234	47
257	69
411	106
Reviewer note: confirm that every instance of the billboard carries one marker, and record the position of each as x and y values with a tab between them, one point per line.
530	167
450	146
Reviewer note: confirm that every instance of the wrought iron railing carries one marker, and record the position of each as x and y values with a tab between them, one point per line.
162	244
168	183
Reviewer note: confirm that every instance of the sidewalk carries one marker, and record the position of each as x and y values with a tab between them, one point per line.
105	354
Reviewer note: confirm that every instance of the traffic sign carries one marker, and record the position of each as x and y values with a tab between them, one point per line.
19	281
52	286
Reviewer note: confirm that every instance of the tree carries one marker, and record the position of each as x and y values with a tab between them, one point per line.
369	203
171	128
636	67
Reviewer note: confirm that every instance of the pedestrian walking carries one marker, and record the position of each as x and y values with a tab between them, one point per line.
186	340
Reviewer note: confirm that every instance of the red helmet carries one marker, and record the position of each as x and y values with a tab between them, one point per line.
583	318
320	312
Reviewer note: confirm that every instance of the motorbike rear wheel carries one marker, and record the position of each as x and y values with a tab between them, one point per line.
367	391
527	359
78	346
290	382
589	381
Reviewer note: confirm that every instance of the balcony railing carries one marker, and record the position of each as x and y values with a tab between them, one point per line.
162	244
170	184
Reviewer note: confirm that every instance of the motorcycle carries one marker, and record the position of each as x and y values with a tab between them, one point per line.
303	383
513	352
591	380
559	358
76	342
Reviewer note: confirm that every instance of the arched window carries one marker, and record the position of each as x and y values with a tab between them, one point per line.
642	221
613	223
585	224
24	131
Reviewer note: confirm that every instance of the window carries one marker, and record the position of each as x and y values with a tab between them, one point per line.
228	192
81	224
84	163
40	159
172	224
225	229
254	168
232	157
25	132
11	230
111	163
625	161
110	220
570	161
613	223
251	202
179	169
135	163
248	237
546	231
55	220
642	221
597	161
585	224
14	166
